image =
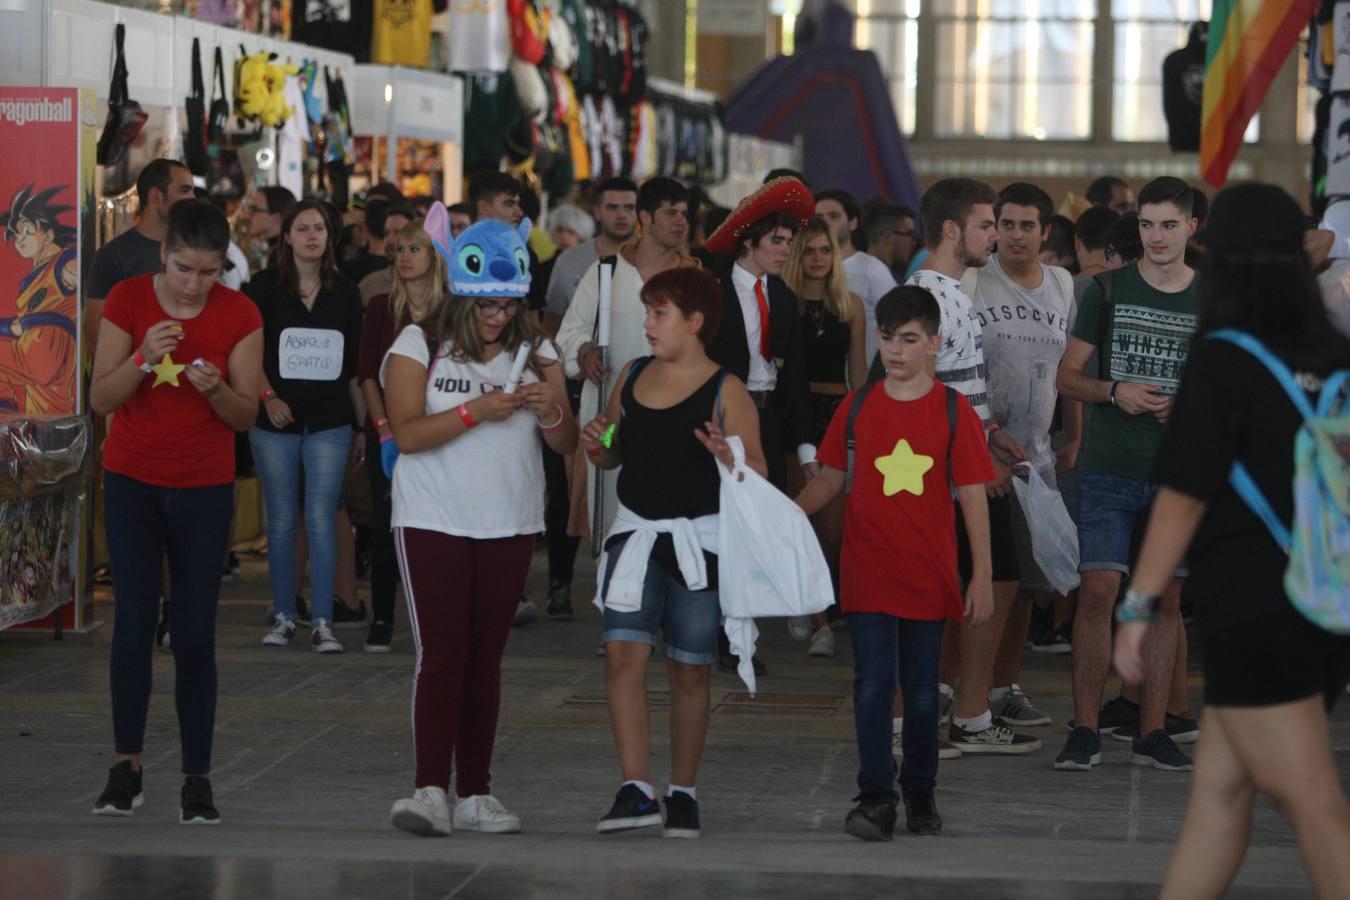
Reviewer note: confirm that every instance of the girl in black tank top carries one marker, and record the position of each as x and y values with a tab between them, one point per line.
672	412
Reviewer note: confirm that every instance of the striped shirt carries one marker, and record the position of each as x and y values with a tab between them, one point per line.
960	361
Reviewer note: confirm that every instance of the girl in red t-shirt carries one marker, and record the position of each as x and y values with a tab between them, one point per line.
178	361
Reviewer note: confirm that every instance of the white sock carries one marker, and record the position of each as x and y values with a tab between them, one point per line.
692	792
999	693
979	723
897	725
645	788
946	690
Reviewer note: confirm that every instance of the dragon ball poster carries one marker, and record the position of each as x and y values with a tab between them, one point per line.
41	206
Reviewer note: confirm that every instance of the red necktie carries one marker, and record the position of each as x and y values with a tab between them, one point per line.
765	327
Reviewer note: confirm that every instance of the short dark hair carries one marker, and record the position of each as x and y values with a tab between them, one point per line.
387	191
1100	191
461	208
844	199
279	199
691	290
951	199
1093	224
157	174
658	191
1060	239
883	218
1169	189
908	303
1199	206
487	186
616	184
786	173
197	225
758	231
1123	239
1023	193
529	204
377	213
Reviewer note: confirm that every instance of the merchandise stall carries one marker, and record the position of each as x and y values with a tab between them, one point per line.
409	130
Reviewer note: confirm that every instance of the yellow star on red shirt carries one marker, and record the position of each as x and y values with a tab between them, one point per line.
903	470
166	371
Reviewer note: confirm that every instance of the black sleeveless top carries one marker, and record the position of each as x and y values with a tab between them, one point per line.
827	341
667	473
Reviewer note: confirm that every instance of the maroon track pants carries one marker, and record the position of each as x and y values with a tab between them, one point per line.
462	594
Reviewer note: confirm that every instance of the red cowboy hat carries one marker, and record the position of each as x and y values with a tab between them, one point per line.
782	195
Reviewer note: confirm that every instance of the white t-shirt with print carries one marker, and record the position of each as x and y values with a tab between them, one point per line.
960	362
1025	334
489	481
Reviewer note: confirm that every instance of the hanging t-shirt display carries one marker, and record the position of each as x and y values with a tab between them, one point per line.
402	33
478	36
337	25
491	114
292	138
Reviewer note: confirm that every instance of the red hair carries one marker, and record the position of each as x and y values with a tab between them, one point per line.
691	290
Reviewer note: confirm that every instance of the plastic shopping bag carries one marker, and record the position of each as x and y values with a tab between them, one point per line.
1054	537
769	559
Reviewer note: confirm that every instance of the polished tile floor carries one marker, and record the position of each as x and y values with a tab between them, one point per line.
310	752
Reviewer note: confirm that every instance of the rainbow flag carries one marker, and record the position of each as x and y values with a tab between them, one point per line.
1248	42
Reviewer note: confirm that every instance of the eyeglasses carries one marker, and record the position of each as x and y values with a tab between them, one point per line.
490	308
260	210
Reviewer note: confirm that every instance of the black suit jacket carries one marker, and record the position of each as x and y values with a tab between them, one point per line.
731	350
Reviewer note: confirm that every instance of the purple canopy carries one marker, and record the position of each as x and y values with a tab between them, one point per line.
836	100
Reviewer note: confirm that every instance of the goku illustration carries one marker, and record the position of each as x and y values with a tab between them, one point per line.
38	347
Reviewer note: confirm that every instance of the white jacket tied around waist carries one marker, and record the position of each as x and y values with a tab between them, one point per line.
768	558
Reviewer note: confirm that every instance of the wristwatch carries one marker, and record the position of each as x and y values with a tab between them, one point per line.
1137	607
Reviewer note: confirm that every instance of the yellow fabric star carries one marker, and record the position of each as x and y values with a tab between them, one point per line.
166	371
904	470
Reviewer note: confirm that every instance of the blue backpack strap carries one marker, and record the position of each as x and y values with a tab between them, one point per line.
717	406
1331	392
1272	363
1245	486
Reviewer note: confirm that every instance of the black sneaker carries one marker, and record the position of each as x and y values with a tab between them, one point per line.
1057	642
632	809
560	602
301	611
198	808
681	816
1081	752
232	563
1181	729
730	662
921	813
380	637
123	794
346	617
873	819
997	738
1158	750
1115	714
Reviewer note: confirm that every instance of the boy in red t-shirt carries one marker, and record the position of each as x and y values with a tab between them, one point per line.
913	440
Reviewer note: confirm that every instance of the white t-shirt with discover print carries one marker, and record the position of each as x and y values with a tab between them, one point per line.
489	481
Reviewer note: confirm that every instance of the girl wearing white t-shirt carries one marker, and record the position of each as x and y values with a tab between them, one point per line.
468	500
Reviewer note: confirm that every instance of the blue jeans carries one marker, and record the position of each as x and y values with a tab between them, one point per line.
192	525
280	458
884	648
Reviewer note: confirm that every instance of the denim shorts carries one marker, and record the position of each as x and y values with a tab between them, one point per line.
1113	513
689	619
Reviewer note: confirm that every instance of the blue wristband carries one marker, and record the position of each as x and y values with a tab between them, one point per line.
388	456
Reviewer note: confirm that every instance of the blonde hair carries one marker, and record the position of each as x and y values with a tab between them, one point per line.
837	299
400	299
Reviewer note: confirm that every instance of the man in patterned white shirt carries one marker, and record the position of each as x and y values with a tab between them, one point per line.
958	221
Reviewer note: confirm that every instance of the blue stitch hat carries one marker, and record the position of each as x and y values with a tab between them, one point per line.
488	259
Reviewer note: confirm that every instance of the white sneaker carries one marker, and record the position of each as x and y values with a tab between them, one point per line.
426	812
799	627
526	613
483	813
323	639
282	633
822	642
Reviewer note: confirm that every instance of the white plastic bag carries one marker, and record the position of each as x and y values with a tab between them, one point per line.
769	561
1054	538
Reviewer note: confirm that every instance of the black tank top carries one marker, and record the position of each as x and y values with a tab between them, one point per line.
667	473
827	341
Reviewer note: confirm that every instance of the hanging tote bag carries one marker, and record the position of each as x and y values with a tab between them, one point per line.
125	116
196	153
219	116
